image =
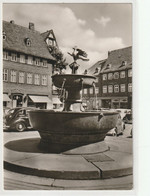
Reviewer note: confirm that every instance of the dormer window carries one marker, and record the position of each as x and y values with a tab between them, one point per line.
97	70
28	42
37	61
4	35
108	66
124	63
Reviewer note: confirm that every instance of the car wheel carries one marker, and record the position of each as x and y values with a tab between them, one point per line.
20	126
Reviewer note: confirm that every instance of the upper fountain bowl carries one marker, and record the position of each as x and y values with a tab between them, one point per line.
73	81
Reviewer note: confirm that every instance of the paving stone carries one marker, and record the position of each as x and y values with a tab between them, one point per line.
114	183
28	178
124	158
13	156
113	169
60	166
97	158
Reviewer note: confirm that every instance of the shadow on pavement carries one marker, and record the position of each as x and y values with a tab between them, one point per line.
25	145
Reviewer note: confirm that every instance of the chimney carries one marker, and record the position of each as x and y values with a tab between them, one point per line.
12	22
31	26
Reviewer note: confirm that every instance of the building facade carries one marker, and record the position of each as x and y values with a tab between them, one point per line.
113	88
27	67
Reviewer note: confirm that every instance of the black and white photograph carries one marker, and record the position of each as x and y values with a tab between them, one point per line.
67	77
67	96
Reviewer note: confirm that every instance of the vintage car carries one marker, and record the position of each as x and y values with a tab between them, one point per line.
128	118
17	119
119	129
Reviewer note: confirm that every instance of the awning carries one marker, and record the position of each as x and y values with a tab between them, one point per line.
39	99
115	100
6	98
56	100
123	100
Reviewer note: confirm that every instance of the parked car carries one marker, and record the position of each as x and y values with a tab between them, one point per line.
119	129
17	118
112	132
128	118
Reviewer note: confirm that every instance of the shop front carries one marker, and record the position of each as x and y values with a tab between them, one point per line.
41	102
17	99
106	103
6	103
120	103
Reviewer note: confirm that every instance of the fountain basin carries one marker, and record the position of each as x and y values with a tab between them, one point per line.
68	130
73	81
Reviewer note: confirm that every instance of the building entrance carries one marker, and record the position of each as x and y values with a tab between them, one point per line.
17	100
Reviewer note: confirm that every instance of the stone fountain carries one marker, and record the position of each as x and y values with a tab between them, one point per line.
73	128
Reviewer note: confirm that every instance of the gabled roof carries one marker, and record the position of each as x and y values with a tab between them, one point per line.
98	65
47	34
15	41
116	58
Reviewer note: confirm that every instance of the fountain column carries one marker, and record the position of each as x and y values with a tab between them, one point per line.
73	101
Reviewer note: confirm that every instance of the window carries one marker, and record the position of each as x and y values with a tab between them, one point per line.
29	78
13	56
116	88
44	80
30	60
130	87
85	91
123	87
122	74
21	77
37	79
124	63
4	35
116	75
91	90
96	90
49	41
28	42
110	89
104	76
110	76
5	55
97	69
37	61
44	63
13	75
108	66
5	74
22	58
130	73
104	89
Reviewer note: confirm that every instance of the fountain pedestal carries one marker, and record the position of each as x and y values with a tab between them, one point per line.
73	101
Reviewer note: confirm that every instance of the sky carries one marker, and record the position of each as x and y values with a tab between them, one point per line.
93	27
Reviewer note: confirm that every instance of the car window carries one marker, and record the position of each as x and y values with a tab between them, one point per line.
27	113
21	113
11	111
